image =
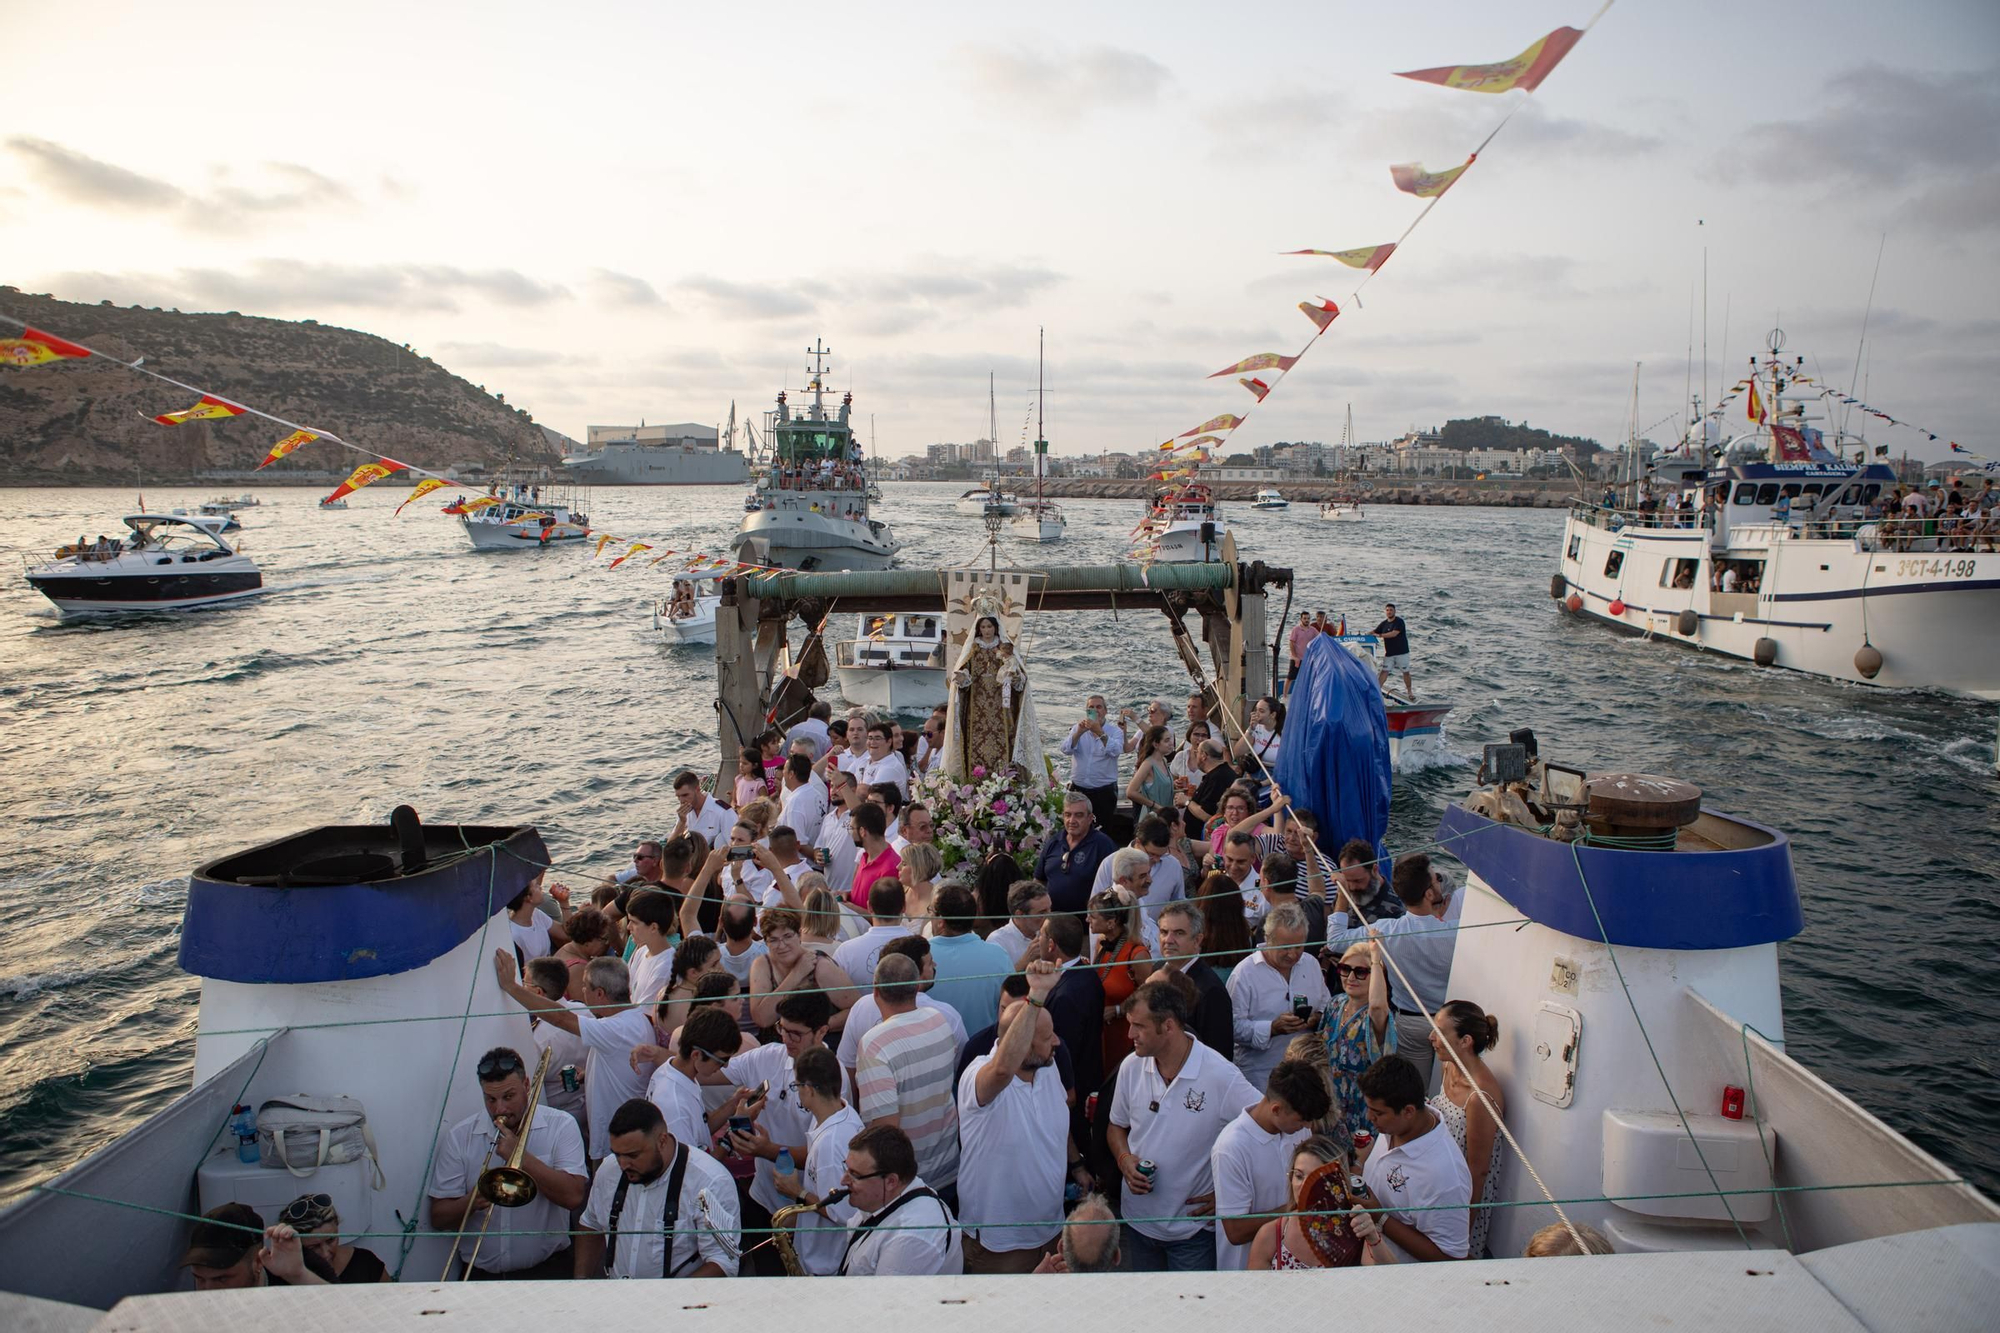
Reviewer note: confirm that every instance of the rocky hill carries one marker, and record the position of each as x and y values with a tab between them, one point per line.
81	422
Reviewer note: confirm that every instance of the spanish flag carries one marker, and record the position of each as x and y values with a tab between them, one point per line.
1322	314
286	445
1411	178
631	551
602	542
366	474
34	348
1227	421
1525	71
424	487
1261	361
1255	385
208	409
1755	405
1370	257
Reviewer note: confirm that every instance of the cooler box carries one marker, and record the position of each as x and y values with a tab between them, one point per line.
222	1179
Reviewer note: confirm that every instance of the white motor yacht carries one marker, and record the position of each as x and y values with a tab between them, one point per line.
223	504
170	562
1267	498
988	495
687	615
230	523
895	664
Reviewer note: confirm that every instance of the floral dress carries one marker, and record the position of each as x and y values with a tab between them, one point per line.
1350	1048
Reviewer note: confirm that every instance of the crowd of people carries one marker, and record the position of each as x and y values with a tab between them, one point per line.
1139	1056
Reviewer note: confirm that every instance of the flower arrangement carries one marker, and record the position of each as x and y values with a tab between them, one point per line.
992	812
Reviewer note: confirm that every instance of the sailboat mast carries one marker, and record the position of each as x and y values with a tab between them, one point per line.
1041	440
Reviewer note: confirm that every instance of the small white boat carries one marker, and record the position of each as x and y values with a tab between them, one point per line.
1190	525
1341	511
222	504
333	504
527	518
1268	498
1038	521
895	664
170	562
230	523
687	616
988	496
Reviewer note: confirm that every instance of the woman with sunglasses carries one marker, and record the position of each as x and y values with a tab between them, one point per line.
1357	1030
316	1220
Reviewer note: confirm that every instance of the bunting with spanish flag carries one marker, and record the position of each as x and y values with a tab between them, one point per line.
365	475
1227	421
602	542
1254	385
1411	178
35	348
424	487
1261	361
1755	405
285	446
631	551
1370	257
208	409
1525	71
1322	314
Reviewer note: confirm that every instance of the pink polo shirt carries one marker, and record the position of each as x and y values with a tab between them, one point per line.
867	871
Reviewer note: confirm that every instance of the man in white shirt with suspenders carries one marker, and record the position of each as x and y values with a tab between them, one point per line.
902	1228
658	1207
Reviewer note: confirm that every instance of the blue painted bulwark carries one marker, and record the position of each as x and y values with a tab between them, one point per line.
1648	900
249	920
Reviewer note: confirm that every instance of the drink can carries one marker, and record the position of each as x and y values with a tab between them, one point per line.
1147	1167
1362	1140
1732	1103
569	1078
1090	1107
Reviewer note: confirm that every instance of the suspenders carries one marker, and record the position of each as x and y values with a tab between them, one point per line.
670	1214
862	1230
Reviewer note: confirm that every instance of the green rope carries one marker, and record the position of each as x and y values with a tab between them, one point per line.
1576	858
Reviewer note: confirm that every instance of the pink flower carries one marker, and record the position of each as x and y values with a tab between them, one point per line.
978	770
1000	806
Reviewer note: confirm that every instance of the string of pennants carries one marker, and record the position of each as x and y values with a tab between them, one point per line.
1180	459
1754	409
38	347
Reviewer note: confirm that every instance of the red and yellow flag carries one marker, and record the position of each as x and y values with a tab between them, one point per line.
208	409
1227	421
286	445
1255	385
1261	361
365	475
424	487
1411	178
1322	314
630	551
1196	444
1525	71
34	348
602	542
1755	404
1370	257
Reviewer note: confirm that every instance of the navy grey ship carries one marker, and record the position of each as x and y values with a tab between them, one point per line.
679	454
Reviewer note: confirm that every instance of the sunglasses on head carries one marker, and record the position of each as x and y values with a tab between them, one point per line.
306	1206
499	1066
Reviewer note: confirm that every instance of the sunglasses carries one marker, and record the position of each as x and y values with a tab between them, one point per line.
1349	970
305	1206
496	1066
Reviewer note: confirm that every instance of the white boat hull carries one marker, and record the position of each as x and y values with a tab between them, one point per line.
696	629
1342	514
977	508
1182	544
1028	528
1933	615
794	539
893	690
518	536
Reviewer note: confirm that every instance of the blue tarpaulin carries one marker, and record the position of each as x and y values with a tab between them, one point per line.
1335	757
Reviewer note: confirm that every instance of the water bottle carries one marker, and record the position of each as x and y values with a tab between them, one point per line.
785	1166
245	1125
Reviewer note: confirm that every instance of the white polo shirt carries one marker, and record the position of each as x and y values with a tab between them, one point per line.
649	973
889	768
1011	1159
1176	1125
1168	883
609	1075
836	836
679	1100
1252	1169
467	1149
820	1241
783	1120
857	956
917	1240
1010	938
804	809
866	1013
1259	993
713	821
1427	1172
709	1216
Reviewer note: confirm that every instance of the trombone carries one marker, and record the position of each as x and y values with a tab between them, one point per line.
506	1185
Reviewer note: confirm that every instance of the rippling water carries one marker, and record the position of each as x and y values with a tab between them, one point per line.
389	662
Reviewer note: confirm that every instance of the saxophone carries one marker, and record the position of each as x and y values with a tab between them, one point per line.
781	1231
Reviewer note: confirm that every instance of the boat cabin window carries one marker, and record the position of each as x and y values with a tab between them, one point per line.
1679	572
1737	576
1790	490
1613	563
1811	492
1575	547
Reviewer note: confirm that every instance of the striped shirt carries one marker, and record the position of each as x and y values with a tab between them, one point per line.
905	1070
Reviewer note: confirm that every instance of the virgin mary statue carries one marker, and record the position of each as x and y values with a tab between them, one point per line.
990	716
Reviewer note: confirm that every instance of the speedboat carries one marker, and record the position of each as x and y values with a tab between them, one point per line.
689	626
222	504
1341	511
895	664
230	523
1268	498
988	498
333	504
170	562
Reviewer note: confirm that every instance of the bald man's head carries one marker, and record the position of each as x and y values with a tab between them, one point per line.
1090	1238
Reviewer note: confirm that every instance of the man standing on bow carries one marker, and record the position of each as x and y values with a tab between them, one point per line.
1395	638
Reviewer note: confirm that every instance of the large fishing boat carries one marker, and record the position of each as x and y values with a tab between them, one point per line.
524	517
812	499
1189	523
170	562
895	663
683	454
1784	553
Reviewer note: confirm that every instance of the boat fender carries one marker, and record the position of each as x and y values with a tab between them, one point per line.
1868	661
1688	622
1575	603
1558	585
1617	606
1765	653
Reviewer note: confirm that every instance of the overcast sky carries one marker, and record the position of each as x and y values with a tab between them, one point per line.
617	211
